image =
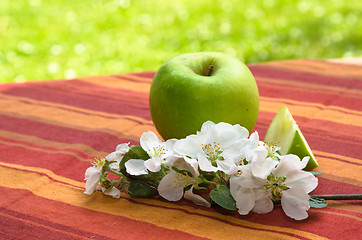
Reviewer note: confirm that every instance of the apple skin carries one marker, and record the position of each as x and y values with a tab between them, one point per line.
183	96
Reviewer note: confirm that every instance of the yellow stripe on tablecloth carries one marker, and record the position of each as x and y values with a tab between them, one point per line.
195	224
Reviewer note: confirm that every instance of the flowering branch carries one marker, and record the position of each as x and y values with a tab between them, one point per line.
221	164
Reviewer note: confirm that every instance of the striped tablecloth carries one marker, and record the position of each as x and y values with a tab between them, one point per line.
50	131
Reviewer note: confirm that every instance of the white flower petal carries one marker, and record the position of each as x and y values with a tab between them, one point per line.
136	167
123	147
261	165
92	177
304	162
149	141
115	165
227	167
287	163
113	192
189	146
248	180
114	156
295	203
244	197
226	134
205	164
183	163
153	164
263	203
197	199
169	187
304	180
118	154
206	126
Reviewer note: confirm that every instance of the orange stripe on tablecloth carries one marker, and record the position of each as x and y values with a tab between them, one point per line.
190	220
64	233
78	120
51	145
118	83
319	67
313	111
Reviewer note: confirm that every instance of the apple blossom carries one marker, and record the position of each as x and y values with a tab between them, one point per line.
156	149
287	182
213	146
183	172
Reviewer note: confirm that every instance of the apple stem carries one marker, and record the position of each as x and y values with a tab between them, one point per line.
334	197
211	68
340	196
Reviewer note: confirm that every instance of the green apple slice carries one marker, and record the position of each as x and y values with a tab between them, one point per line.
285	133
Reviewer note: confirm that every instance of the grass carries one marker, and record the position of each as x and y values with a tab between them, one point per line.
58	39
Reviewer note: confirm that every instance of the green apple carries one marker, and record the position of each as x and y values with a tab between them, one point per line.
193	88
285	133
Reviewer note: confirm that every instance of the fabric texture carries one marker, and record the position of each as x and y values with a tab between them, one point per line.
50	131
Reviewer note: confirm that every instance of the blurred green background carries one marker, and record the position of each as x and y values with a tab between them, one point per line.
57	39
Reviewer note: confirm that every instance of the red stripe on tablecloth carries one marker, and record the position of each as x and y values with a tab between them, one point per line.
263	70
77	220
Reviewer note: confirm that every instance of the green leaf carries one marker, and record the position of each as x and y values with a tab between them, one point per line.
317	202
139	188
134	152
223	198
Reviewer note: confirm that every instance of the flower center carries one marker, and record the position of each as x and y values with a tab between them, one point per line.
275	185
159	151
183	180
273	150
212	150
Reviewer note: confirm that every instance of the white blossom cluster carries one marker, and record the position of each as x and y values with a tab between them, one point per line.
256	174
